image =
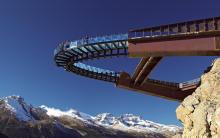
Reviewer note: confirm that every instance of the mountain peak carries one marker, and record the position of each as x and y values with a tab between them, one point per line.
130	117
104	115
71	113
105	119
14	97
17	106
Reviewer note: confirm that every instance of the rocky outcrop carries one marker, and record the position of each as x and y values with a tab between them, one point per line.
200	112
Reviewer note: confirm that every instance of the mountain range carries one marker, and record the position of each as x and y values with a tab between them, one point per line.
19	119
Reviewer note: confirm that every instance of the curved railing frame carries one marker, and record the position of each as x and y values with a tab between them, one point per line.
68	54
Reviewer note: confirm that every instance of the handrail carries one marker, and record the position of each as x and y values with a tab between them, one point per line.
177	85
175	24
196	27
164	82
190	83
93	40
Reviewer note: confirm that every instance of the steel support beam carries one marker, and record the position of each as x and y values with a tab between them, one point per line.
145	70
139	67
154	89
209	46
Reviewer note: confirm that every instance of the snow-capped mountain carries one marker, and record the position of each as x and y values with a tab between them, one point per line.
16	105
78	123
132	122
124	122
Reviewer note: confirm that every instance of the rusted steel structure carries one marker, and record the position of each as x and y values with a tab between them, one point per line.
191	38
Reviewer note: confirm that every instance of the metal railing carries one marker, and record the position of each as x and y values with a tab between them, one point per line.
100	39
189	83
61	46
90	40
177	85
190	27
164	82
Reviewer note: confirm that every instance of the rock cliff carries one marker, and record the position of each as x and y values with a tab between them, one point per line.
200	112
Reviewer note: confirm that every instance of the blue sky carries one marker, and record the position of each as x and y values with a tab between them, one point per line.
30	30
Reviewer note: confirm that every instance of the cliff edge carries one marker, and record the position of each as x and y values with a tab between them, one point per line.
200	112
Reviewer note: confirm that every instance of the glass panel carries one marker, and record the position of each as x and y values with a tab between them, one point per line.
147	34
97	47
84	49
111	45
104	46
90	48
73	44
120	45
77	50
94	69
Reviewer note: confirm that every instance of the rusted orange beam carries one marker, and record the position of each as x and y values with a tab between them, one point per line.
155	89
139	67
208	46
146	70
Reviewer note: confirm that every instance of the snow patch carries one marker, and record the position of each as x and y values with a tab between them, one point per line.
71	113
17	106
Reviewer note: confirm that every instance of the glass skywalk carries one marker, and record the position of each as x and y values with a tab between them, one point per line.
69	55
95	40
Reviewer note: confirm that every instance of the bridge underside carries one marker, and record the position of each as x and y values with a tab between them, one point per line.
152	52
158	89
141	83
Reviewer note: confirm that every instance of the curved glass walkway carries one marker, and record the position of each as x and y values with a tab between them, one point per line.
70	55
